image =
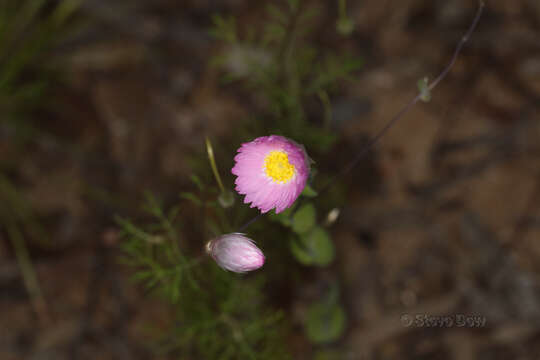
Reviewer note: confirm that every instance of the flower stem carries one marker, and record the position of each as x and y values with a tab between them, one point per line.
210	152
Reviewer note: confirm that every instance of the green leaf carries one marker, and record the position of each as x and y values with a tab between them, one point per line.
191	197
141	276
309	192
325	322
303	219
283	217
332	68
197	181
314	248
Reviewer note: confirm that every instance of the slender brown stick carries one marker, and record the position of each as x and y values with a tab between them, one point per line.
401	113
409	106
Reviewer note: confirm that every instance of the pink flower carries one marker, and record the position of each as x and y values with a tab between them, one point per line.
271	171
235	252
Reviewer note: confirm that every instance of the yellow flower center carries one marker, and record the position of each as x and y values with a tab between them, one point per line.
278	167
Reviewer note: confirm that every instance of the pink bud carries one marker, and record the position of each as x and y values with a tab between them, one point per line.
235	252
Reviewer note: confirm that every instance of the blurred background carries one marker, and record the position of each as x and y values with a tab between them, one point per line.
433	254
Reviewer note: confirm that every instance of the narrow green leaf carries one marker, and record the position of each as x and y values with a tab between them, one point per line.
313	248
191	197
197	181
283	217
309	192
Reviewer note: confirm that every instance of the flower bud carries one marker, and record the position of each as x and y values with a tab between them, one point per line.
235	252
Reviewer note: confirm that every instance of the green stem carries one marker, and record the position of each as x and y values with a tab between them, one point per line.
342	8
325	100
27	271
210	151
